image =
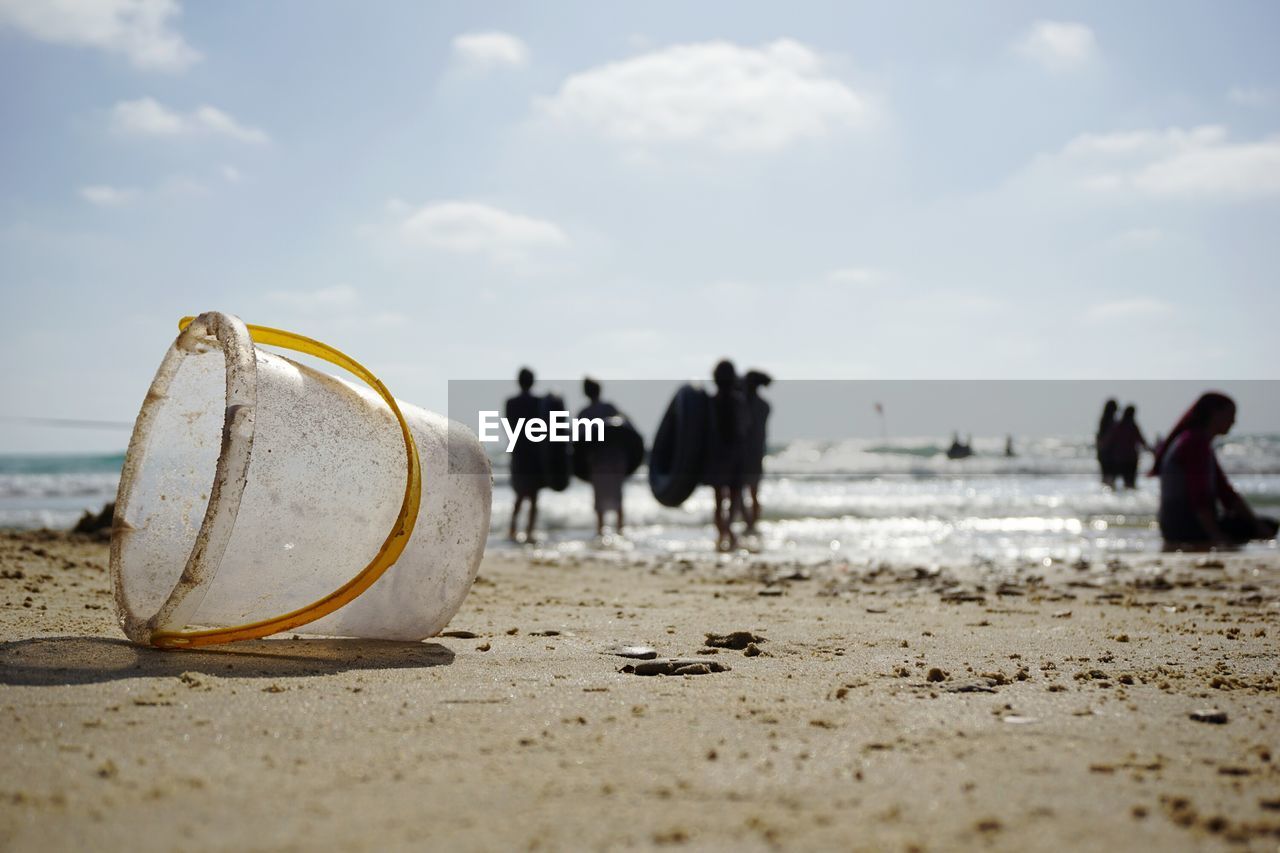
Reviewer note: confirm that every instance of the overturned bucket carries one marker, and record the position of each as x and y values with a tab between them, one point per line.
259	495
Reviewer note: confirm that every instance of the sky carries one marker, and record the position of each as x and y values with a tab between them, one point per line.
449	191
990	409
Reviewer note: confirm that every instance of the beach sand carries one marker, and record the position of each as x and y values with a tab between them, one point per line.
887	710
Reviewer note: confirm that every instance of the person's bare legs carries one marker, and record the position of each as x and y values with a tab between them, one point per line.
735	511
515	513
718	516
1130	475
533	517
753	514
600	517
715	514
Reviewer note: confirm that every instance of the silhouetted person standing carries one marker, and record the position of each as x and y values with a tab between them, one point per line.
757	443
1100	443
1198	506
608	460
726	451
1124	445
526	462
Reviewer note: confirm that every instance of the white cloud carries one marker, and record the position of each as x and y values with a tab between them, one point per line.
483	51
138	29
174	187
231	174
1250	96
103	195
1058	45
1144	142
1137	308
1200	162
1237	170
469	227
716	94
149	117
855	275
146	116
216	121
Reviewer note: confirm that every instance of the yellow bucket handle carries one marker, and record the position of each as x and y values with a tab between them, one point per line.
391	548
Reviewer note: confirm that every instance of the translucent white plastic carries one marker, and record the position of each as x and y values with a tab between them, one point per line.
325	479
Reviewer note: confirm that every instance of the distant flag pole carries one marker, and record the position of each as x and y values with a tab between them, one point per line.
884	430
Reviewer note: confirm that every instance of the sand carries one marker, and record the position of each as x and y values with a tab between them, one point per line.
896	709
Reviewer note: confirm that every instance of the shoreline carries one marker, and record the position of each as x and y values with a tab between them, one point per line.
897	707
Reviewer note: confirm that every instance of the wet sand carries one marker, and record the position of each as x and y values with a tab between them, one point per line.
897	709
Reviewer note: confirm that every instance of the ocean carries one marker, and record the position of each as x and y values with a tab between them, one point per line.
868	501
54	490
860	500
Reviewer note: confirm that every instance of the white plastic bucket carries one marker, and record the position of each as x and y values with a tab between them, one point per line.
259	495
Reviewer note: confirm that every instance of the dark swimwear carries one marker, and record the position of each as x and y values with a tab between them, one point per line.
526	461
608	462
753	468
1102	442
1123	446
728	428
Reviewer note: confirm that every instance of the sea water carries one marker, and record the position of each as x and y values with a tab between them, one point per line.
861	500
904	501
55	490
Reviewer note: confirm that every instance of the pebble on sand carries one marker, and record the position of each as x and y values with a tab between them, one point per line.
675	666
1209	715
738	640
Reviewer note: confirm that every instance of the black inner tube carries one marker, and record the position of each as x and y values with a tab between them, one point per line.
678	456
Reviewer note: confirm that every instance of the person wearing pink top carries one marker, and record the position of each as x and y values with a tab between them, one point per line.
1198	506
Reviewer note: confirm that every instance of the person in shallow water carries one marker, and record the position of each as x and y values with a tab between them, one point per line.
757	440
729	425
608	460
1198	506
1105	465
526	464
1125	444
